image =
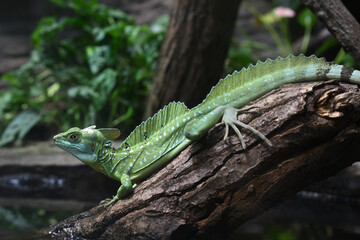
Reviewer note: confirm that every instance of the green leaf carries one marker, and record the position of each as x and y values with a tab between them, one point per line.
19	126
326	45
98	56
4	102
115	30
104	84
99	34
306	18
84	92
60	3
47	29
160	24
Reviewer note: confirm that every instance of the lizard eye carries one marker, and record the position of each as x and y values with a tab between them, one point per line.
74	137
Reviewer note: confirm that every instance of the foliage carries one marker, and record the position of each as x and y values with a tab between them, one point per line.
92	67
241	54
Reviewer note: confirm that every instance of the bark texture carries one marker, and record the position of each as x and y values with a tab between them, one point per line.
340	23
213	186
193	53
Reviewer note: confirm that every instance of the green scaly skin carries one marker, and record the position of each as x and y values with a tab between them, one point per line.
160	138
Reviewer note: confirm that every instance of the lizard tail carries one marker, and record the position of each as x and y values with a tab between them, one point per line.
343	73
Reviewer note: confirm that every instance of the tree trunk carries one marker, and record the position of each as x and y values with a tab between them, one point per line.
340	23
213	186
193	53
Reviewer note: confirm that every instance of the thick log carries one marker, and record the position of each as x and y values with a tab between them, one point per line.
214	186
340	23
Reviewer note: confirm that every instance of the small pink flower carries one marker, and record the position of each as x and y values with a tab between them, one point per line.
284	12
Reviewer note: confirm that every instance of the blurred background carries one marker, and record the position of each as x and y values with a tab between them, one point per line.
79	63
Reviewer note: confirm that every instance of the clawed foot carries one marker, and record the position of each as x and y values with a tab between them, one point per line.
108	201
230	119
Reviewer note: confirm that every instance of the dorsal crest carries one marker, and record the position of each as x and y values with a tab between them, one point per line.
155	123
245	75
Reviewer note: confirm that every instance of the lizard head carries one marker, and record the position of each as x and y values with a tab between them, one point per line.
86	143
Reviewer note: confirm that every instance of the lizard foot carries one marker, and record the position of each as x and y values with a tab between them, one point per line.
230	119
108	201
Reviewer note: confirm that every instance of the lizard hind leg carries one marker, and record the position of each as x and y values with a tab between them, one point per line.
230	119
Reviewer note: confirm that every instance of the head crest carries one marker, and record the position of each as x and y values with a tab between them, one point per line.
110	133
90	129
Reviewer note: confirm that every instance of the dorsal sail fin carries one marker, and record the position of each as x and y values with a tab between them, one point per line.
154	124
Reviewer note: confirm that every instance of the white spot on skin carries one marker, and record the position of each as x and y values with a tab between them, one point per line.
172	128
145	159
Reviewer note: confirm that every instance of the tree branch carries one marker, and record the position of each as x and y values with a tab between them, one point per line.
214	186
340	23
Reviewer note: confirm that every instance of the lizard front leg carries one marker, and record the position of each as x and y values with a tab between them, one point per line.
124	190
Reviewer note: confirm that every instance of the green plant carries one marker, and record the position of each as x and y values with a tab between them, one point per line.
276	23
92	67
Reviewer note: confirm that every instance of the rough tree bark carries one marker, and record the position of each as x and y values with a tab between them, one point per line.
340	23
193	53
213	186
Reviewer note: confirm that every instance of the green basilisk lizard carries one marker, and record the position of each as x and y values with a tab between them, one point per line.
160	138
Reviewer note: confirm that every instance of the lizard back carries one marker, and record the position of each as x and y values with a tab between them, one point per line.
254	81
